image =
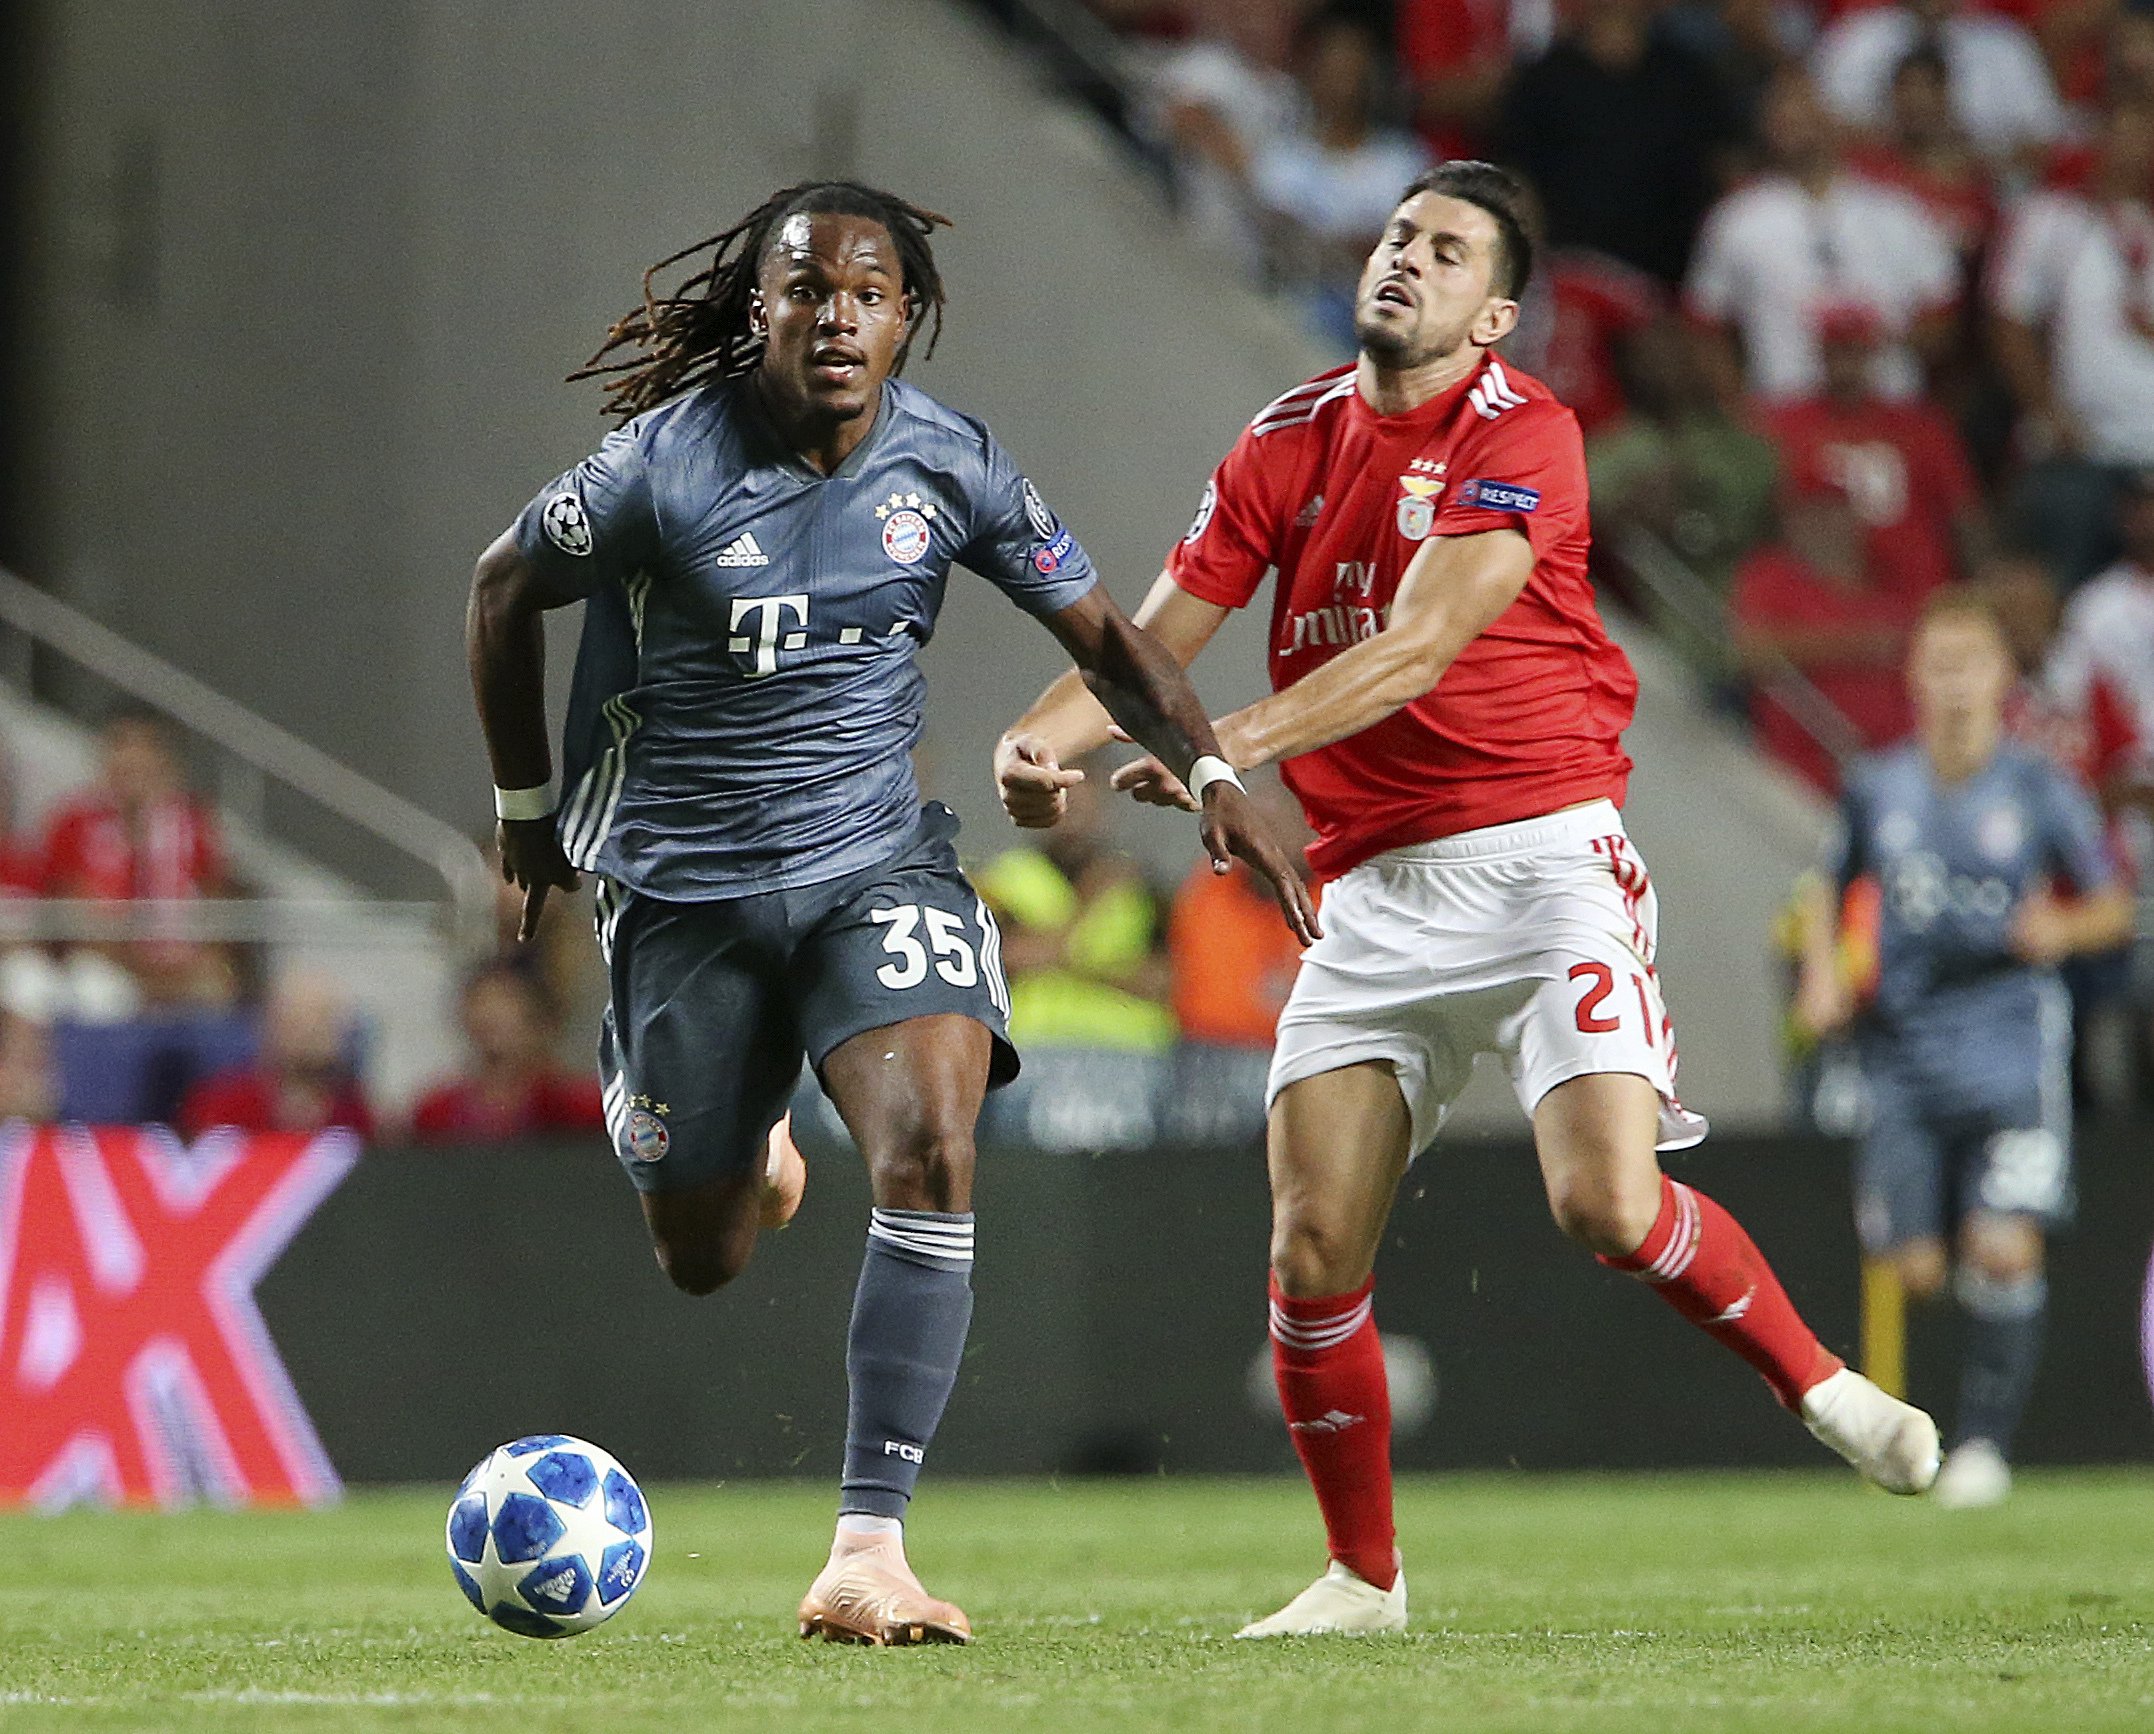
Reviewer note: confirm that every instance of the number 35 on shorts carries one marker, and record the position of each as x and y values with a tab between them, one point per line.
912	932
1597	1017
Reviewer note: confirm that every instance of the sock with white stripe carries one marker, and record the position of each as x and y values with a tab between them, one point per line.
1699	1260
2004	1348
910	1315
1329	1365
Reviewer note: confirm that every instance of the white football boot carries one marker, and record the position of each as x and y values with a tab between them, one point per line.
1892	1443
1341	1601
1975	1476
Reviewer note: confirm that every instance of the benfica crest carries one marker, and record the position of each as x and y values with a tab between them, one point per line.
1417	504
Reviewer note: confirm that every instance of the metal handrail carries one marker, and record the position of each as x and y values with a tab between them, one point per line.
267	749
1683	593
1078	33
196	920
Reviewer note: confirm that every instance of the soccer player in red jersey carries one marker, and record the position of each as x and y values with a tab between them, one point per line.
1449	709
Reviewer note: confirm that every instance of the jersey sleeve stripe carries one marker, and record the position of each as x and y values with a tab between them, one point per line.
1500	387
1304	412
1286	399
592	816
1493	393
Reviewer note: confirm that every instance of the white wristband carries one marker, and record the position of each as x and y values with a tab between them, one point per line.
524	803
1210	769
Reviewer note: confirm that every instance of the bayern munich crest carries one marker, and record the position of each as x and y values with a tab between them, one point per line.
905	537
645	1135
905	534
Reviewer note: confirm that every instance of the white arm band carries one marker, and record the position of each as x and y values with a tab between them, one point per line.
524	803
1210	769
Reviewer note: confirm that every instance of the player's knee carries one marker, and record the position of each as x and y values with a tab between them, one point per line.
701	1270
1607	1214
1922	1269
924	1165
1311	1258
2002	1249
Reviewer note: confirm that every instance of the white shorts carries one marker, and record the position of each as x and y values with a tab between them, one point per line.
1531	941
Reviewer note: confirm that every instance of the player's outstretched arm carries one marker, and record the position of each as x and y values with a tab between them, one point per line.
1823	1002
1451	593
1138	683
1066	722
2048	929
505	647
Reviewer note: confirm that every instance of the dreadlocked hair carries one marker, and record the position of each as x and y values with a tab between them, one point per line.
699	331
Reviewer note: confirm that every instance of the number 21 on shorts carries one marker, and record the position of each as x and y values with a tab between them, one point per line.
1600	984
954	958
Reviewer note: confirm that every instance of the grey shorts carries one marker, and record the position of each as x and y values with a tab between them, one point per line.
1923	1166
714	1005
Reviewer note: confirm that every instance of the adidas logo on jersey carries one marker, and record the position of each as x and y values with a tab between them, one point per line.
743	551
1309	513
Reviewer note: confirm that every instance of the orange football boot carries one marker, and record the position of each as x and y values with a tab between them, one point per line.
867	1594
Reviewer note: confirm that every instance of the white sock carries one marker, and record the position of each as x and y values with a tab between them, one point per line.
860	1524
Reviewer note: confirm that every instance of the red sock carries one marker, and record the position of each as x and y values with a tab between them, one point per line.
1702	1264
1330	1367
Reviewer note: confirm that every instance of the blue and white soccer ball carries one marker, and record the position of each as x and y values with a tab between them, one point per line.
549	1536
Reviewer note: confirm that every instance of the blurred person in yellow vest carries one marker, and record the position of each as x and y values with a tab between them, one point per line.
1080	936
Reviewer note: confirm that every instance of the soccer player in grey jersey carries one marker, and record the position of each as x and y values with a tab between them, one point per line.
762	550
1964	1041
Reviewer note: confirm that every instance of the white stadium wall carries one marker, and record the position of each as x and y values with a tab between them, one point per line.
306	280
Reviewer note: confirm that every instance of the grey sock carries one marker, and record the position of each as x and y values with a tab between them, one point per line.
910	1315
2004	1347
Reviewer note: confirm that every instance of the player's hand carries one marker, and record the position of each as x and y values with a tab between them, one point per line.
1235	830
531	859
1152	783
1031	783
2041	932
1824	1004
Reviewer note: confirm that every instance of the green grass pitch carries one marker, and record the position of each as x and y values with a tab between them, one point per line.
1669	1603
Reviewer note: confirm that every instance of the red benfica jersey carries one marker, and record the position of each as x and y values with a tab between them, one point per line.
1337	499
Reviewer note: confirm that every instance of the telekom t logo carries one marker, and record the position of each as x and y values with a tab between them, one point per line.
771	612
134	1364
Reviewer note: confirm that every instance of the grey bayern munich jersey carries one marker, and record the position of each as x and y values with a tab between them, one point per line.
747	690
1954	863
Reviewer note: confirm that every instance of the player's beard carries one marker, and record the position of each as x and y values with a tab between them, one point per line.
1401	351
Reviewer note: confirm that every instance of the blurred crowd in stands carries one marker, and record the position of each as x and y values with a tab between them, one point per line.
1854	299
164	1026
1100	958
